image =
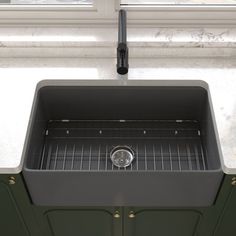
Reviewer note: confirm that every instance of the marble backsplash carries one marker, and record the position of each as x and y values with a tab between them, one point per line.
102	42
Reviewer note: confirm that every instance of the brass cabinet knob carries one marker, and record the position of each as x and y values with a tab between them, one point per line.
116	214
233	182
11	180
131	214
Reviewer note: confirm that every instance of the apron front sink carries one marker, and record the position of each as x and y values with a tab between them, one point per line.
107	144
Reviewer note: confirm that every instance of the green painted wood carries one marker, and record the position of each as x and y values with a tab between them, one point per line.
23	203
164	223
84	221
11	220
212	214
16	206
227	221
80	222
167	221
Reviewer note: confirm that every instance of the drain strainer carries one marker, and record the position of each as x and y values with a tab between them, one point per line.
122	156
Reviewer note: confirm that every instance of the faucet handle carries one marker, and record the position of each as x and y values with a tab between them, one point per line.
122	59
122	49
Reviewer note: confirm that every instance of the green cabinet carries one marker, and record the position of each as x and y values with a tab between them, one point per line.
227	221
82	222
19	216
11	220
151	222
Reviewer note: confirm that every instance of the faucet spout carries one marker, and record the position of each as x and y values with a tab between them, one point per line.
122	49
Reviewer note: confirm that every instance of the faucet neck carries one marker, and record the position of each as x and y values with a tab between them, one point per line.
122	49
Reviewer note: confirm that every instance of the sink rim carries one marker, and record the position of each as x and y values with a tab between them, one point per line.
139	83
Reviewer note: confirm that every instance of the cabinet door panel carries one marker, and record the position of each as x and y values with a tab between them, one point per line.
11	223
80	222
164	223
227	223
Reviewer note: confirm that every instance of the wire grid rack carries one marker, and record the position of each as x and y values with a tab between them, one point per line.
173	148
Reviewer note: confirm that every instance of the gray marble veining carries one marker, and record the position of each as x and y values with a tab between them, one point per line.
107	37
177	2
101	42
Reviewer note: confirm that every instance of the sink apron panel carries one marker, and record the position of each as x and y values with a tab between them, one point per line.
74	188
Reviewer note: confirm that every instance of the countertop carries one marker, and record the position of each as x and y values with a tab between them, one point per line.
19	78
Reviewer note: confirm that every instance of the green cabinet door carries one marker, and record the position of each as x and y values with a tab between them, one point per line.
11	222
227	222
161	222
83	222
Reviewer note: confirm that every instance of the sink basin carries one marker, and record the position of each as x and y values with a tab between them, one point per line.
164	131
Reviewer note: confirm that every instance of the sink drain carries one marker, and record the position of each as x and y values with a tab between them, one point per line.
122	156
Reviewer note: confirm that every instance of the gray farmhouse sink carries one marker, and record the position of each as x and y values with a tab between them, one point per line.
111	143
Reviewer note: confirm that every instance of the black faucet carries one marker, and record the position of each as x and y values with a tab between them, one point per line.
122	49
